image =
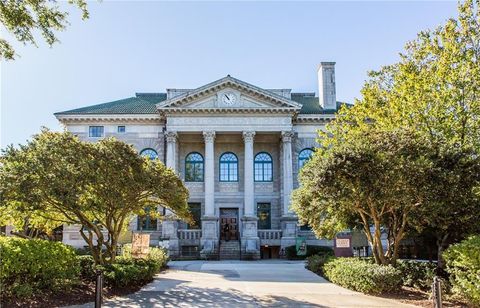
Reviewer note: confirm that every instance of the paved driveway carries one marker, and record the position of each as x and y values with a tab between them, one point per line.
244	284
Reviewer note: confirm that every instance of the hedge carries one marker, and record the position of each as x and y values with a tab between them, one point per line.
463	265
362	275
31	266
416	274
291	252
315	263
126	271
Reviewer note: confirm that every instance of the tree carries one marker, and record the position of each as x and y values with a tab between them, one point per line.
22	18
433	91
99	186
370	181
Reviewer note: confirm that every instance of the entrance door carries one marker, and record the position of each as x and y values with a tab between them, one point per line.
229	217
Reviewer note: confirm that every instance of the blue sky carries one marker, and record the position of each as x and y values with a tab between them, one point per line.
128	47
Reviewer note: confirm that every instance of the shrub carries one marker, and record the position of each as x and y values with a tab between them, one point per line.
30	266
416	274
362	275
128	271
291	252
463	265
315	263
87	267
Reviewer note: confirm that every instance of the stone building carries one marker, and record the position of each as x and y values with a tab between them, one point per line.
238	148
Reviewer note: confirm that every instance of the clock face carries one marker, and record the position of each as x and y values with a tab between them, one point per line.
229	98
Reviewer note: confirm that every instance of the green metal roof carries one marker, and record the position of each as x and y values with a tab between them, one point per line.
144	103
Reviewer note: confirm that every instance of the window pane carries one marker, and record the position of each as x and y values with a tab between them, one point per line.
95	131
121	129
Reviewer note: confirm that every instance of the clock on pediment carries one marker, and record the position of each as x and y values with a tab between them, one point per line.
229	98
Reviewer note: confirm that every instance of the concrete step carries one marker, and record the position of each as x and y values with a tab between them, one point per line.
229	250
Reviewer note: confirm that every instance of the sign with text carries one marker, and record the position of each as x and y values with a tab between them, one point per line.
343	246
140	245
342	242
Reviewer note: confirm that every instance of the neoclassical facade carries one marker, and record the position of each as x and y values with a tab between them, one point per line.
238	148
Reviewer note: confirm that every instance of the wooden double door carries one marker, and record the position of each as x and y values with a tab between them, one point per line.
229	224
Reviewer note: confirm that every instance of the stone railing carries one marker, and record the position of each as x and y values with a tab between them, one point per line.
193	234
270	234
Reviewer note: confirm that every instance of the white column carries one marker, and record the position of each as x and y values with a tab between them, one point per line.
287	171
171	150
249	198
209	137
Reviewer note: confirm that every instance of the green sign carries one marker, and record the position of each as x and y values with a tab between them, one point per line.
301	244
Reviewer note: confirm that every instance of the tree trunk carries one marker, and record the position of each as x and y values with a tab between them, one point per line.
442	243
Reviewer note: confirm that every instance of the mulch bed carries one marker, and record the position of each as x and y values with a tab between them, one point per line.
80	294
420	298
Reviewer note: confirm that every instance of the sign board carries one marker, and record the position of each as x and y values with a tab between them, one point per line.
140	245
301	245
342	243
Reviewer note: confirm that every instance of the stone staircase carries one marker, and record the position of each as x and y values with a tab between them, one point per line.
229	250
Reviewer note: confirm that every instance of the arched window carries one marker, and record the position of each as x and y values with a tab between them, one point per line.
194	167
304	156
263	167
228	167
150	153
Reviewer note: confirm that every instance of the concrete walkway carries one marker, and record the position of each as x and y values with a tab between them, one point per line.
244	284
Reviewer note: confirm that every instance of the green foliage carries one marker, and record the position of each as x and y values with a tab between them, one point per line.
23	18
101	186
315	263
130	272
87	267
463	265
291	252
160	255
426	107
362	275
416	274
30	266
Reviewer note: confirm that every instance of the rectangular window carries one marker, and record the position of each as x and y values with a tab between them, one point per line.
121	129
264	217
196	210
95	131
146	222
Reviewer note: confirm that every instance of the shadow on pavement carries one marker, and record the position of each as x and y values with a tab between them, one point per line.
183	296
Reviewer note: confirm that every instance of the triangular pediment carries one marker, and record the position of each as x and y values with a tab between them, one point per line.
229	93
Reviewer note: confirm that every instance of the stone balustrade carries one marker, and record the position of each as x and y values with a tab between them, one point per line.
189	234
270	234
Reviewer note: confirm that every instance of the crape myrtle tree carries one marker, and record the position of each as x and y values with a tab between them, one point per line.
434	92
57	178
369	181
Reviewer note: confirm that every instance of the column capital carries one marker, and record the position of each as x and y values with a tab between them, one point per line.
209	136
287	136
248	136
171	136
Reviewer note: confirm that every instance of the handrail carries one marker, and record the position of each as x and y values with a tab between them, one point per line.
240	243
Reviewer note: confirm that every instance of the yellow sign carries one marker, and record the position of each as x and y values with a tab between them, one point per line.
140	245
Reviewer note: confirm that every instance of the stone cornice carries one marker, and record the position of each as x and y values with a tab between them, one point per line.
314	118
228	110
124	118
